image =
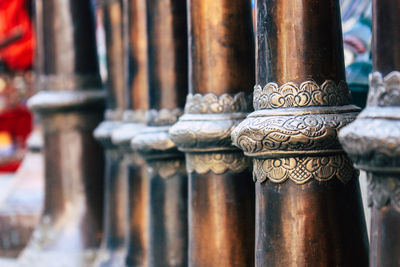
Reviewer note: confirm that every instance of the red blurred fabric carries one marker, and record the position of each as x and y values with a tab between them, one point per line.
14	15
18	122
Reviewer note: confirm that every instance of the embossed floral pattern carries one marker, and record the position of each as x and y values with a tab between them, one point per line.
302	169
217	163
213	104
309	93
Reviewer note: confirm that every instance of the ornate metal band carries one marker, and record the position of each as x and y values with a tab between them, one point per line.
216	162
293	143
373	140
204	132
293	132
208	122
155	143
309	93
303	169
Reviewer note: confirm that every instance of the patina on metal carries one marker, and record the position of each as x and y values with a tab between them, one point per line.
113	251
166	173
133	121
221	72
308	203
70	104
372	141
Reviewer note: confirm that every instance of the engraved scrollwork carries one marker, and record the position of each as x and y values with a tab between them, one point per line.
384	92
213	104
383	191
218	163
298	133
309	93
302	169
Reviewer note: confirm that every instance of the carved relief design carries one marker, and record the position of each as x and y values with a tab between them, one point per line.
384	92
301	133
309	93
218	163
152	141
203	135
166	168
163	117
302	169
383	190
373	143
213	104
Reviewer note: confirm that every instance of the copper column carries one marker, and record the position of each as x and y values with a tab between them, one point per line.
136	95
308	203
221	73
166	173
113	249
71	104
373	140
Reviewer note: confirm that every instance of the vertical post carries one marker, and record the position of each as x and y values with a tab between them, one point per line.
166	174
221	195
113	249
372	141
70	104
308	203
136	96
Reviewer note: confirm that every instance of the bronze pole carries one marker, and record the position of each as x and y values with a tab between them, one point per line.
113	250
308	203
372	141
70	104
136	87
221	72
166	173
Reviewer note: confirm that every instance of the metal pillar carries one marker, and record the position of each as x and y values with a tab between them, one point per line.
114	243
70	104
372	141
136	95
221	73
166	173
308	203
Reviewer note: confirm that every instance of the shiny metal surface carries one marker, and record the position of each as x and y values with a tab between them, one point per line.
167	38
221	219
221	74
138	58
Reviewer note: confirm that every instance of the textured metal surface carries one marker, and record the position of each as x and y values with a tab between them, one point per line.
70	229
308	203
221	73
